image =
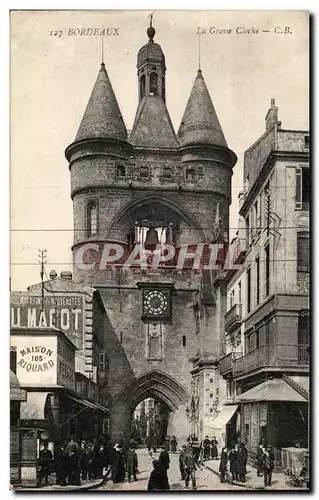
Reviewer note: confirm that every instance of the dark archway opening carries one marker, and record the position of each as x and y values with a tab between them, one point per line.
149	423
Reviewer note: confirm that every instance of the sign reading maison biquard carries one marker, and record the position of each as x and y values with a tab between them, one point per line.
61	311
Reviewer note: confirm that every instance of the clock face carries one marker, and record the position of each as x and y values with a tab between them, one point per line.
155	303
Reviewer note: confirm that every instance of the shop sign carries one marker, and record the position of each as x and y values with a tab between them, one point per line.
36	359
18	395
54	311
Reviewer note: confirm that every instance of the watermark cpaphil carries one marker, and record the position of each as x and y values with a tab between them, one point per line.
202	256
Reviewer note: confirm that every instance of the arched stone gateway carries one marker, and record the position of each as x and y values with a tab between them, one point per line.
153	384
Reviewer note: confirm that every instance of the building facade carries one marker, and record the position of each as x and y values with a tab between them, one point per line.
150	188
267	301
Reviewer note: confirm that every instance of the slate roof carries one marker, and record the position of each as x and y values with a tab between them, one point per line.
200	123
102	117
152	125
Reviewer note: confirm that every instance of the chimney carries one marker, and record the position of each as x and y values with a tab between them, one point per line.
53	274
272	115
66	275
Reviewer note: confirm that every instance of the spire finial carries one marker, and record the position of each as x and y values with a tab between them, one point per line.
102	47
199	68
151	31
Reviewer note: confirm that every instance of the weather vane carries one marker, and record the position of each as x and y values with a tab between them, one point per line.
151	18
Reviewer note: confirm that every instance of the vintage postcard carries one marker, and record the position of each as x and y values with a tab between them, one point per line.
160	205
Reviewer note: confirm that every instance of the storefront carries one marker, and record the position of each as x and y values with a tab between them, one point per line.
224	427
275	413
17	395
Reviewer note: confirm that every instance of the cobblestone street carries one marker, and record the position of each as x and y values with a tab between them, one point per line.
206	480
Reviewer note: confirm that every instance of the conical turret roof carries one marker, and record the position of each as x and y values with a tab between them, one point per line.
102	117
152	125
200	123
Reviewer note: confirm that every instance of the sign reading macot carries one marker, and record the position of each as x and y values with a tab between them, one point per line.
61	311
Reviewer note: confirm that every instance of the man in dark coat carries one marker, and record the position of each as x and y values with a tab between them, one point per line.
181	462
214	448
90	460
73	462
158	479
45	459
223	465
131	463
173	444
242	462
206	448
84	461
233	463
268	461
259	459
61	463
190	467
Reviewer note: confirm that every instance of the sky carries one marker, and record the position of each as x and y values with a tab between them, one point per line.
52	78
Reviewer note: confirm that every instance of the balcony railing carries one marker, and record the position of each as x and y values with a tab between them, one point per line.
275	355
226	363
233	317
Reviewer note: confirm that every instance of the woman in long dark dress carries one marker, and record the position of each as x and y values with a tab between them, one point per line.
223	465
118	465
173	444
158	479
214	448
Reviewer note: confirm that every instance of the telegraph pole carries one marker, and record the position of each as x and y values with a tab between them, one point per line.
42	260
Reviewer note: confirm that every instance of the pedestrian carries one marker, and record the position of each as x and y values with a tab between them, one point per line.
149	443
242	462
131	463
259	459
233	463
90	460
60	461
190	467
98	461
206	448
118	465
223	465
163	458
154	443
45	459
73	462
214	448
84	461
167	443
268	461
181	461
158	480
173	444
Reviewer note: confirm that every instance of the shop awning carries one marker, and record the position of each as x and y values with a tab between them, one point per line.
300	383
33	408
272	390
88	404
223	417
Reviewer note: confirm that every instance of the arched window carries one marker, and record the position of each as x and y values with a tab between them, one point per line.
142	86
153	83
91	218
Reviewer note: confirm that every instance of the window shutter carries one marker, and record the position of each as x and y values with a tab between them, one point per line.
303	253
298	188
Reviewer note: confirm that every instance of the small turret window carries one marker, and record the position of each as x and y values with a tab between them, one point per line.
167	172
153	83
163	88
190	174
120	171
142	86
91	218
144	172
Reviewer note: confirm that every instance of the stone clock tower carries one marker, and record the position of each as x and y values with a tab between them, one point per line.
152	187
